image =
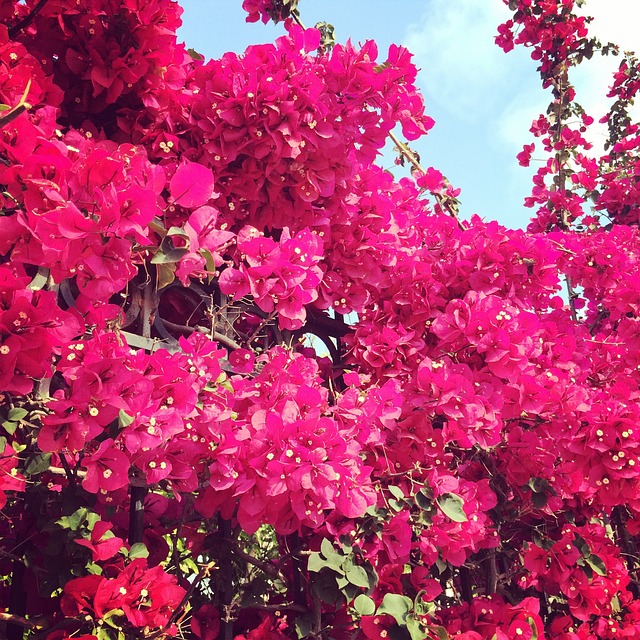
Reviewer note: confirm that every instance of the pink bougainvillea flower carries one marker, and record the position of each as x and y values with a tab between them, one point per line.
107	468
191	185
242	360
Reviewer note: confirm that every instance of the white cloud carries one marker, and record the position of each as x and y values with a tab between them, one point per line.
452	42
614	21
484	100
473	81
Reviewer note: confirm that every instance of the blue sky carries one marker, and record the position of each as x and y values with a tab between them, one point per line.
483	100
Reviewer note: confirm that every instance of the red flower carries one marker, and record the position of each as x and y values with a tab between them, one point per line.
205	622
103	544
377	627
148	597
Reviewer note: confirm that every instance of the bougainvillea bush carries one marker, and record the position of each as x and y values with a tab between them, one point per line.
254	387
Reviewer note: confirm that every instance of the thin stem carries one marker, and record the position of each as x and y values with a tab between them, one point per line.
17	601
465	584
267	568
296	18
71	476
251	337
13	114
449	205
136	514
285	606
564	222
299	596
147	310
19	621
572	298
628	546
139	491
216	335
492	573
27	20
226	590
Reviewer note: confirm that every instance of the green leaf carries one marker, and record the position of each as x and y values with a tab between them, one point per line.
38	464
381	67
304	626
336	563
157	226
316	562
73	521
102	633
397	606
39	280
342	582
16	414
5	107
124	419
423	499
396	492
165	275
534	628
170	254
364	605
138	550
423	607
358	576
327	548
167	251
441	632
10	427
194	54
92	518
615	605
109	616
597	564
581	544
178	231
415	629
325	587
539	500
452	506
210	263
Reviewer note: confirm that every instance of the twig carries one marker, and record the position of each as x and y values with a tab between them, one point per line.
19	621
492	573
67	469
296	18
465	584
630	551
448	204
216	335
139	491
27	20
226	588
265	321
285	606
267	568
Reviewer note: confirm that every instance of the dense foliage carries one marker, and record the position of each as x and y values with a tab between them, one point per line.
458	460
